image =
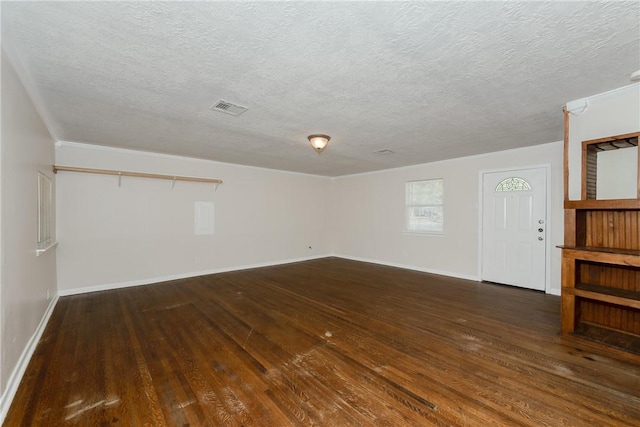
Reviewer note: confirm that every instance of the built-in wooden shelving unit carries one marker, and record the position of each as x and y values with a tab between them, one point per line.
601	259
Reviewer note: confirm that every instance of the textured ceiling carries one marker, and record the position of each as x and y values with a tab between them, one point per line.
428	80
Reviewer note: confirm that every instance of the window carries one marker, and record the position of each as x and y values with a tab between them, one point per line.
45	212
513	184
425	210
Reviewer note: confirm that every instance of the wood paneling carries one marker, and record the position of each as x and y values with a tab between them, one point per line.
328	342
601	290
590	171
618	229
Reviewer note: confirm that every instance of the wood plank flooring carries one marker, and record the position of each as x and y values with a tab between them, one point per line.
328	342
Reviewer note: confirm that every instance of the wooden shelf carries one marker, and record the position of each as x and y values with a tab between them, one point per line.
607	294
630	257
610	337
631	252
602	204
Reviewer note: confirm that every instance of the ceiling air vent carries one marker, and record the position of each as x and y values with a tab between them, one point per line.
226	107
384	152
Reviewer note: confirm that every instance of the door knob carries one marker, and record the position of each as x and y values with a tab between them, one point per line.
540	238
540	230
540	221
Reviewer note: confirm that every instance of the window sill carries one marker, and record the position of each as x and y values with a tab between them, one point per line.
424	233
47	249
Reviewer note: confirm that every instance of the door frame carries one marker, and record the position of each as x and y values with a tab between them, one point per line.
549	225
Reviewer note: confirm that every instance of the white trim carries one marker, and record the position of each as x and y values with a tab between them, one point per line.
83	145
553	292
549	234
453	159
44	250
410	267
23	362
424	233
153	280
547	169
480	224
585	100
129	151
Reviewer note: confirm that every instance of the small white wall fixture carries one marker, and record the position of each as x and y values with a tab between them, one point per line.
204	219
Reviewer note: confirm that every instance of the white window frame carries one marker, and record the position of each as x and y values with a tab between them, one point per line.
410	205
46	226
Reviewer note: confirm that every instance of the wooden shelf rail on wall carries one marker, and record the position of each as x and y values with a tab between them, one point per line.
174	178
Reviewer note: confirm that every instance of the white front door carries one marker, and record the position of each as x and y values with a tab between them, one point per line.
514	227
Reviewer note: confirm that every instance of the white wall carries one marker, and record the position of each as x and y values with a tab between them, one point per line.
612	113
369	222
26	279
142	231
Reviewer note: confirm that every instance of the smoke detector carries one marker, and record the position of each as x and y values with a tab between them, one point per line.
227	107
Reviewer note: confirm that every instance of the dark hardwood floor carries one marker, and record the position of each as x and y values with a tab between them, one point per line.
329	342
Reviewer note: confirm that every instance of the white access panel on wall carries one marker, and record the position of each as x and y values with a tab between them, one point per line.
204	223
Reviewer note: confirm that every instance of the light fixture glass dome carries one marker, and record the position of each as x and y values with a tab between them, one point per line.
319	142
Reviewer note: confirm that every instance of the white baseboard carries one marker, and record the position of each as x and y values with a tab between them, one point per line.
552	291
411	267
23	361
152	280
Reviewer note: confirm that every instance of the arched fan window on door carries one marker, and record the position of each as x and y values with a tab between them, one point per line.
513	184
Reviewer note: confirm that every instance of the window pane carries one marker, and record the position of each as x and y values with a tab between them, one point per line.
424	192
426	218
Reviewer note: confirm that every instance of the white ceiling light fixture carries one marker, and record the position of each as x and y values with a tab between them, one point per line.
635	76
319	142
